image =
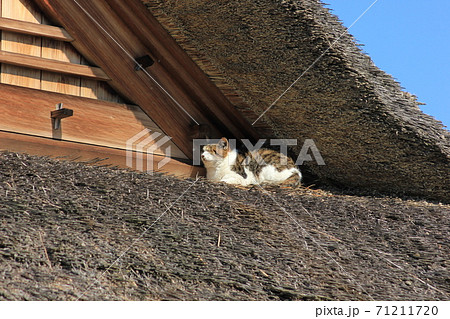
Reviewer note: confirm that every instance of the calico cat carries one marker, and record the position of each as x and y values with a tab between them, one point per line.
257	167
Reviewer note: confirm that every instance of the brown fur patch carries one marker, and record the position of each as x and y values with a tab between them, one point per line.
256	160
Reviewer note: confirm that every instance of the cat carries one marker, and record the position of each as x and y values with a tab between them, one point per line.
262	166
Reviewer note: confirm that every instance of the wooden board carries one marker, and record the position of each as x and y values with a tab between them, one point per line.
60	51
97	90
94	122
35	29
97	155
22	10
27	31
53	65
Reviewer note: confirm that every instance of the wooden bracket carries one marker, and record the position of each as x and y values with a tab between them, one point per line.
56	117
143	62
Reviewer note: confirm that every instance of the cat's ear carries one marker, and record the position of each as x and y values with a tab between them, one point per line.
223	144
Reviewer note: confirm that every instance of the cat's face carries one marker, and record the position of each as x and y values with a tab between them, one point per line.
214	154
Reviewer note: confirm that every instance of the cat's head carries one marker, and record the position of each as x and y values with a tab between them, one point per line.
214	154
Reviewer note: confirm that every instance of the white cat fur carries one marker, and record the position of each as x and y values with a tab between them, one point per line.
219	169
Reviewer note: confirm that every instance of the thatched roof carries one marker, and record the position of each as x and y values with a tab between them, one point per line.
371	134
69	231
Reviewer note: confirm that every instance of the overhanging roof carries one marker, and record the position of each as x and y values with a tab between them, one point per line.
371	134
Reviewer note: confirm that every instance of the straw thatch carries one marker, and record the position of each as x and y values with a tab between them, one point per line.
371	134
69	231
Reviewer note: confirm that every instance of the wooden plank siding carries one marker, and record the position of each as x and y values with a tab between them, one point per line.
64	52
22	10
17	19
33	63
98	89
95	122
130	24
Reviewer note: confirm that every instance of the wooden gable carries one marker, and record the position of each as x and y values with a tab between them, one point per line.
95	55
39	68
173	91
37	55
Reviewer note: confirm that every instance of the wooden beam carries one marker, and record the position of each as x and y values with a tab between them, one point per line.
187	74
53	66
94	122
35	29
101	46
96	155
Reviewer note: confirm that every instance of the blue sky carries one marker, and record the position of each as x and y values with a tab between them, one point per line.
409	39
